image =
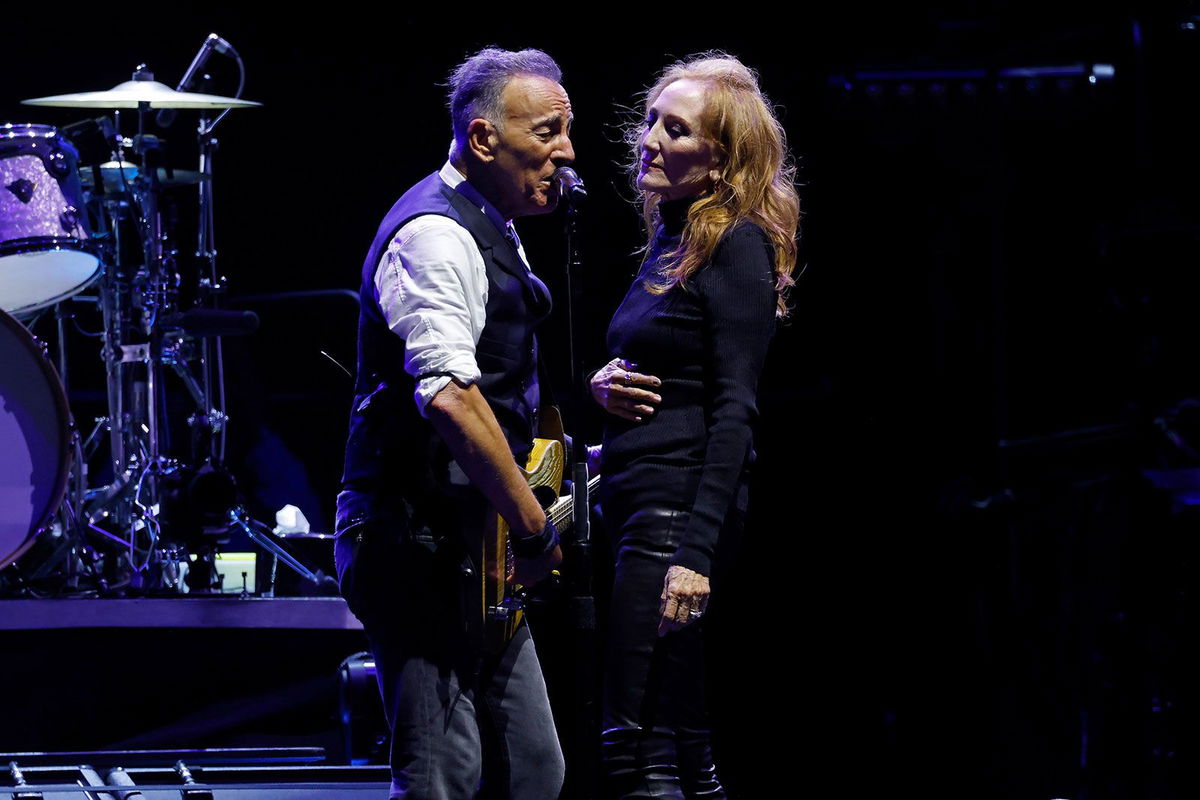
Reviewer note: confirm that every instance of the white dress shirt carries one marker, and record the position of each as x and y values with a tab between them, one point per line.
432	286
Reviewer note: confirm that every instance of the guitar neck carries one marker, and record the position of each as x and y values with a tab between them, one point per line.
562	511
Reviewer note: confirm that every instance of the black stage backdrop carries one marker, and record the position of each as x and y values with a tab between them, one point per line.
957	578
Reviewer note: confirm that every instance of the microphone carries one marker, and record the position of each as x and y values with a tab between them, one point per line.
570	186
220	44
213	42
166	116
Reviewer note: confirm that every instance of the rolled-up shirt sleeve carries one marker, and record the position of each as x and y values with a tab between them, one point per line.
431	284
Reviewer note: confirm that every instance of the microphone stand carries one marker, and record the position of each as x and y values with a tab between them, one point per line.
582	743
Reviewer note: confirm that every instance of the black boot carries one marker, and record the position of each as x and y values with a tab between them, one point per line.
696	771
641	764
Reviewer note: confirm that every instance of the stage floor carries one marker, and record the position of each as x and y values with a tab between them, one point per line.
294	613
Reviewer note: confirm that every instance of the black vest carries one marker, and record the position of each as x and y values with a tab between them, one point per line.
395	462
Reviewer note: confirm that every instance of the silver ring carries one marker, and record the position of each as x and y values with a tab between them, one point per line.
694	614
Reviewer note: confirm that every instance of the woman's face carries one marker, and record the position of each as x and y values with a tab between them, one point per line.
678	160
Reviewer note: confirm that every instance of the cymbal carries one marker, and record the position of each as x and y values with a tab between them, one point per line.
110	174
131	93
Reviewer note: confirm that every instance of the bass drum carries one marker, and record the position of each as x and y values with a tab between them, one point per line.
35	439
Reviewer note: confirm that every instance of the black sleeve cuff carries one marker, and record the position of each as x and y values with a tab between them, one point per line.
537	545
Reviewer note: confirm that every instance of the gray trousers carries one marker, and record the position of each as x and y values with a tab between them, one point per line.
462	722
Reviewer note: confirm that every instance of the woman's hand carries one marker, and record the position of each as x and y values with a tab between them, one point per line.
615	388
595	452
684	598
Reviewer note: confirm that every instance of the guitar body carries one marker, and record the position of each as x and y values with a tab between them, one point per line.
502	612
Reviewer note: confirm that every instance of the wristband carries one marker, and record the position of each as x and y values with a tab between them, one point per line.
535	545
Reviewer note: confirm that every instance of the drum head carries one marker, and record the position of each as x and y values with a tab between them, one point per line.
34	280
34	439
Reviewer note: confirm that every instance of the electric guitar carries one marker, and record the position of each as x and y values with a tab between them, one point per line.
502	601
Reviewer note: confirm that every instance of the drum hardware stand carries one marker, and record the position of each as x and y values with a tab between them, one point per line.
137	305
211	287
131	306
264	537
68	514
61	315
211	421
136	431
72	546
129	448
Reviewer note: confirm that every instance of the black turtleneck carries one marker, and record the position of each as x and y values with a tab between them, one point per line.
707	342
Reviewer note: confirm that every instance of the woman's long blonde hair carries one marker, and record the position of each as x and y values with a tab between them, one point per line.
756	181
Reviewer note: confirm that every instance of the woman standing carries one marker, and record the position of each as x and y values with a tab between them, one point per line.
688	341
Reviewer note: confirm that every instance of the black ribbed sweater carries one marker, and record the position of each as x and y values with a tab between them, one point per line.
707	342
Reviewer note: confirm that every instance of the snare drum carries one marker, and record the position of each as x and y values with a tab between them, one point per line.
45	256
35	439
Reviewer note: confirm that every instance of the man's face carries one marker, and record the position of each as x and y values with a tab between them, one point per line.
533	140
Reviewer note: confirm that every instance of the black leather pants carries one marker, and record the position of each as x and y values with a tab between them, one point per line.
656	738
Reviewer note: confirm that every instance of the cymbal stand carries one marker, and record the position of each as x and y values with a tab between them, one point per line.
211	421
114	289
131	306
157	298
114	299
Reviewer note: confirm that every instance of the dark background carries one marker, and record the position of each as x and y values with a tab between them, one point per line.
957	577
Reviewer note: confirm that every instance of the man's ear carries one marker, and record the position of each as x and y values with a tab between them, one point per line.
482	139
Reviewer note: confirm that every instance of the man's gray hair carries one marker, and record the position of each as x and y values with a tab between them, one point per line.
476	85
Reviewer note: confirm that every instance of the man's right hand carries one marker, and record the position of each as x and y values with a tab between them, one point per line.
464	420
534	554
528	571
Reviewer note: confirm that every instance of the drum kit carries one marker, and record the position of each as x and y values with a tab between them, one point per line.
95	235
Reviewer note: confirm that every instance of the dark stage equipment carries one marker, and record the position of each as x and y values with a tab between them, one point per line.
364	728
206	774
67	224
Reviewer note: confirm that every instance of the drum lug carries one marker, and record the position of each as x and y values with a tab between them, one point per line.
69	219
22	189
57	164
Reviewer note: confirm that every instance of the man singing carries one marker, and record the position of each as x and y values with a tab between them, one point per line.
446	406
